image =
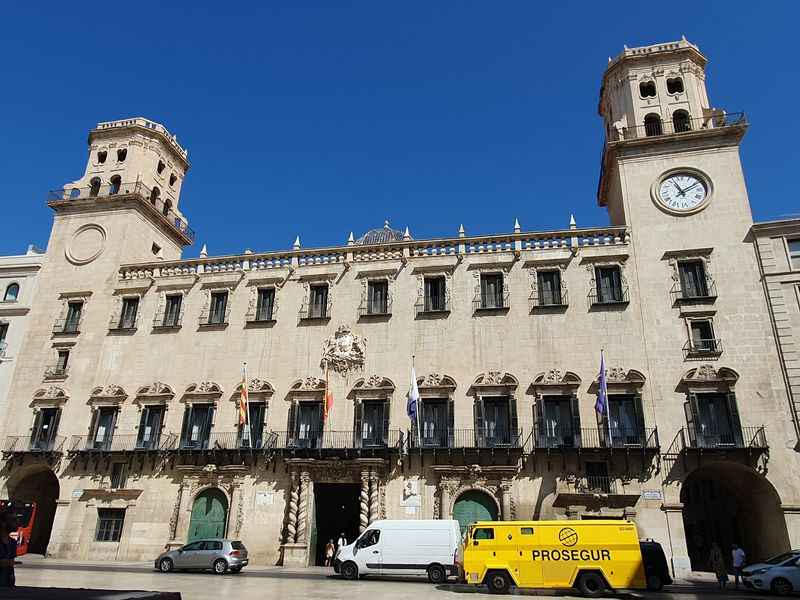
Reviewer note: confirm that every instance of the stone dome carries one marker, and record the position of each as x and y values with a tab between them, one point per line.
383	235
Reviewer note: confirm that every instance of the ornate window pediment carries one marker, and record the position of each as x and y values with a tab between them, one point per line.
111	392
436	380
374	386
50	395
557	377
495	379
619	379
709	376
207	391
155	393
256	387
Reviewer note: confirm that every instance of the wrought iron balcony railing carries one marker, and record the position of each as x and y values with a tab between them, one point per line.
433	304
679	125
160	321
556	299
566	438
310	312
67	326
465	438
230	440
618	295
702	348
706	292
376	308
34	443
338	440
711	437
56	371
485	301
121	443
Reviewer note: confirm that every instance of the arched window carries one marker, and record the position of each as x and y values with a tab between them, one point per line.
675	86
647	89
94	189
101	156
172	179
681	121
122	154
155	194
12	293
167	207
652	125
116	182
161	167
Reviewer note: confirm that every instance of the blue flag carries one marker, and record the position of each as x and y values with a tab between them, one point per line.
601	406
413	398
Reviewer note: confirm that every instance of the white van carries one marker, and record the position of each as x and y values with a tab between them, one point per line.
403	547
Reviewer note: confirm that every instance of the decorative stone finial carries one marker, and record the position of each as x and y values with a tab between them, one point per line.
248	251
572	224
204	252
386	224
517	228
407	234
350	239
461	231
296	245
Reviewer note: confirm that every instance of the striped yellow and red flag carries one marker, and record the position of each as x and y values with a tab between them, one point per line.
327	405
243	402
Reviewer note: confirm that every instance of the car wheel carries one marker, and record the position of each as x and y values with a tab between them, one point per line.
236	569
654	583
590	585
436	574
349	570
165	565
781	587
498	582
220	566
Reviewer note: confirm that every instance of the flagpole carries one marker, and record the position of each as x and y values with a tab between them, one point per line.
418	402
246	394
608	402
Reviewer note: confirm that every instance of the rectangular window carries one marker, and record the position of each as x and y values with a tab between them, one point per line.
71	323
265	304
434	420
150	428
3	332
372	423
597	478
702	336
217	310
127	318
119	475
435	290
497	421
172	310
794	253
626	420
377	297
251	434
549	284
484	533
492	291
318	302
45	429
557	428
103	428
309	424
109	524
609	284
62	362
693	279
196	430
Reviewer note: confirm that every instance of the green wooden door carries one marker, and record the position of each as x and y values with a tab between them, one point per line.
474	506
209	515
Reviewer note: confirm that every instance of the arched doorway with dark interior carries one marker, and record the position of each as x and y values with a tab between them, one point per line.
730	503
472	506
209	515
38	484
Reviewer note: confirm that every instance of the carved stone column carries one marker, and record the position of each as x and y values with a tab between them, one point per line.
291	515
374	496
176	512
238	500
506	500
446	488
364	500
302	509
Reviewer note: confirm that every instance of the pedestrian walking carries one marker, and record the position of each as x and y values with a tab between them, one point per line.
717	563
739	557
8	549
330	550
342	541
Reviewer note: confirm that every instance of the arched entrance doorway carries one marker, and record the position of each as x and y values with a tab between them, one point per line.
731	504
474	505
39	485
209	515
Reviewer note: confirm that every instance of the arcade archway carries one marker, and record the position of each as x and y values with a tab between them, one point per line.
731	504
39	485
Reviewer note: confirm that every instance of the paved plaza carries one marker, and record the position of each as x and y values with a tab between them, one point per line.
276	582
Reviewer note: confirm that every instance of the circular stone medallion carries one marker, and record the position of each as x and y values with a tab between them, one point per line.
87	244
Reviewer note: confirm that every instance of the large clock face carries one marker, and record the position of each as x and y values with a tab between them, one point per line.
682	192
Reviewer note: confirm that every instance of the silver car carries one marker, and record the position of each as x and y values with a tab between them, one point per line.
217	554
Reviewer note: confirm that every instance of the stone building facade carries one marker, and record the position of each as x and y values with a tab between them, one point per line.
140	445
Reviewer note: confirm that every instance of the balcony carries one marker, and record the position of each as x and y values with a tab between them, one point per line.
593	438
458	439
685	296
83	444
680	126
538	300
702	349
338	440
432	306
136	190
159	322
615	297
375	309
56	372
122	325
706	437
315	312
221	441
67	327
20	444
492	302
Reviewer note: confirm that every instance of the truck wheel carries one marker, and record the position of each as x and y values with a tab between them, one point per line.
498	582
781	587
436	574
349	570
654	583
590	585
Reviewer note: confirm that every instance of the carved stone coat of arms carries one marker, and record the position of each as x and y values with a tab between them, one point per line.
344	351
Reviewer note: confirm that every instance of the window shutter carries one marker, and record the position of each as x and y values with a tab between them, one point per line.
143	426
638	407
93	426
386	407
37	430
514	437
54	428
451	421
291	423
187	418
736	423
477	409
110	434
539	426
690	409
599	282
209	419
575	409
358	424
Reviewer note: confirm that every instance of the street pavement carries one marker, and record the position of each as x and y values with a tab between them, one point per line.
289	584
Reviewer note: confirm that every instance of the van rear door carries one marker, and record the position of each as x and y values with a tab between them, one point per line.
529	569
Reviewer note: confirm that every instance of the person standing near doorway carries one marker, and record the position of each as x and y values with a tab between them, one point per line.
717	563
330	551
8	550
739	557
342	541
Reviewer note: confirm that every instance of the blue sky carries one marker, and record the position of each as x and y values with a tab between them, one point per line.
315	119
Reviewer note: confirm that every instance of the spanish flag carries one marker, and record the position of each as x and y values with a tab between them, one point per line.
243	400
328	404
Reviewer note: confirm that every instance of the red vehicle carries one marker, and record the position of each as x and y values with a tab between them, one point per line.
25	513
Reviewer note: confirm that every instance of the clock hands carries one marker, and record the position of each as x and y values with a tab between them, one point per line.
680	191
691	186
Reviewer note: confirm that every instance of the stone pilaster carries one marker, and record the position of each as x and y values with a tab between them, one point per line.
237	500
374	496
446	488
291	516
176	512
364	499
506	501
302	509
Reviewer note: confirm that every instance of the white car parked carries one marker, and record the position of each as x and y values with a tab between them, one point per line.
779	574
